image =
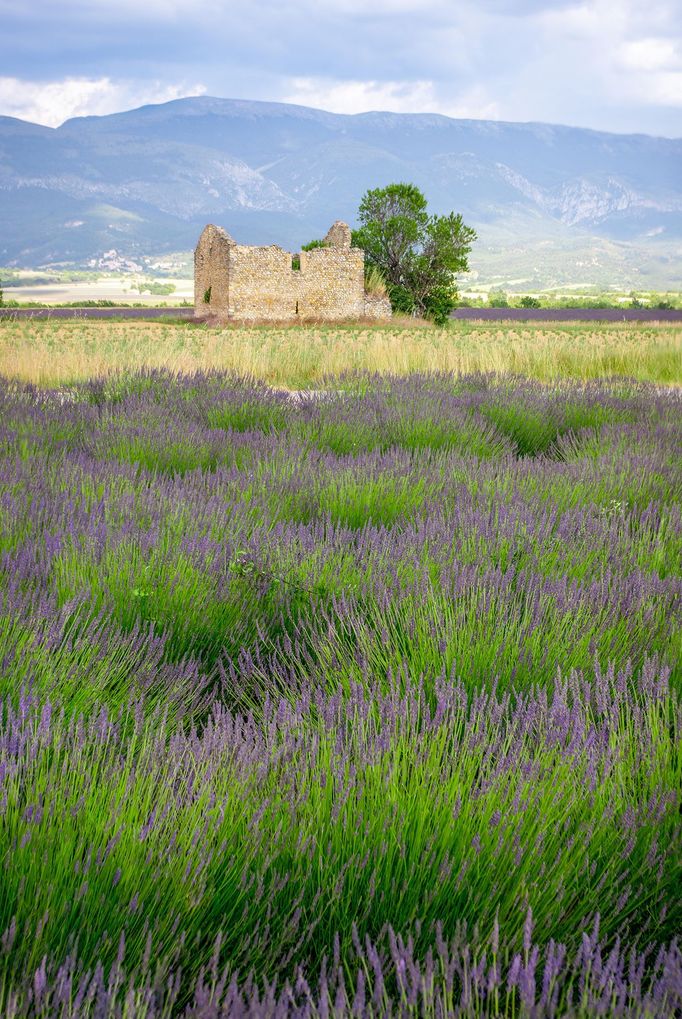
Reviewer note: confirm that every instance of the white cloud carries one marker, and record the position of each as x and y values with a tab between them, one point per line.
625	55
649	54
53	102
420	8
354	96
94	9
655	70
666	87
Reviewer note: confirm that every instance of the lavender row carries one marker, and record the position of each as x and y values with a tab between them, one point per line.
281	678
288	557
278	839
454	980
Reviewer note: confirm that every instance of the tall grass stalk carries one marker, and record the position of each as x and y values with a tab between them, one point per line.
58	353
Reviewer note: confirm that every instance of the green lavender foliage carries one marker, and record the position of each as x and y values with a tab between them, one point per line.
279	675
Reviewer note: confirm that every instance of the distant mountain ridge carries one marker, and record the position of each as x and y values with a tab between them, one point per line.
547	201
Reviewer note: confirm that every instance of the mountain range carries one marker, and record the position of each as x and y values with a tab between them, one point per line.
552	205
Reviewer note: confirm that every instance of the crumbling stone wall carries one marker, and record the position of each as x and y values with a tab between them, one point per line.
262	284
332	283
338	235
211	272
243	283
377	306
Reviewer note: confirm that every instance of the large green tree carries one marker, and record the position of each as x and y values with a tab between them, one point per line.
419	255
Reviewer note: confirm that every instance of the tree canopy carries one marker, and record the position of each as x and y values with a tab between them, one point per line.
418	254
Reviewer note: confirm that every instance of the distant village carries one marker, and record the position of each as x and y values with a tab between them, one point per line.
111	261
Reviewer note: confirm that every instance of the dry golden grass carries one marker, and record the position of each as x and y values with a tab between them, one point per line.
53	352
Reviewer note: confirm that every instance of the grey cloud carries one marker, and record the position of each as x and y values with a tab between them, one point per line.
532	59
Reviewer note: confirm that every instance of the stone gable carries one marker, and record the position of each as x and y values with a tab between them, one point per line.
238	282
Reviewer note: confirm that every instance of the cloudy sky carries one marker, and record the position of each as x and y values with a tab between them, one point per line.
615	65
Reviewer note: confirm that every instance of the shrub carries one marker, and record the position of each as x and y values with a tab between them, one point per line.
160	289
402	301
439	303
498	299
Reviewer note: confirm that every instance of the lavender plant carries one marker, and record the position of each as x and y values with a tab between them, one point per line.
361	705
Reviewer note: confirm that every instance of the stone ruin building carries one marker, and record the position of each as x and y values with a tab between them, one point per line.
237	282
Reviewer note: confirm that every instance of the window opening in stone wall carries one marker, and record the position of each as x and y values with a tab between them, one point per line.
296	262
296	308
207	295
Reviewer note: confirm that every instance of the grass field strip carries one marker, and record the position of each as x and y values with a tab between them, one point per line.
55	353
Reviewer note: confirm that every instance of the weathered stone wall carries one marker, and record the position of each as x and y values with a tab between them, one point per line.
377	307
332	283
339	235
211	272
247	283
263	284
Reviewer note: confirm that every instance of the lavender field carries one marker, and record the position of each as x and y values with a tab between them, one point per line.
360	704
